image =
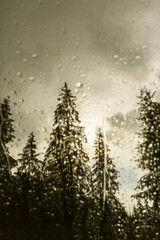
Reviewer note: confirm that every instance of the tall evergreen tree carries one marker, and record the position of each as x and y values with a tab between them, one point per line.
6	136
98	170
142	222
29	188
65	161
149	155
110	215
6	165
29	164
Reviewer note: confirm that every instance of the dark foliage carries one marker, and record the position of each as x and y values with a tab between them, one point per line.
148	211
61	197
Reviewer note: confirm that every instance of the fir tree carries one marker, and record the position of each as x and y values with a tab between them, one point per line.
6	136
149	155
29	188
65	161
142	222
98	170
110	214
29	164
6	165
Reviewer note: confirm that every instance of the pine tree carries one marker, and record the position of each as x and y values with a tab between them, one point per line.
6	136
142	222
138	220
98	170
29	164
29	188
149	155
110	214
6	165
65	161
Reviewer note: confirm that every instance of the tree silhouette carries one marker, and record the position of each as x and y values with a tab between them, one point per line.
6	165
110	223
142	224
6	136
29	164
29	188
149	155
65	163
62	197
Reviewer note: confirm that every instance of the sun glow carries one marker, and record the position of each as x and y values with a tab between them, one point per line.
90	132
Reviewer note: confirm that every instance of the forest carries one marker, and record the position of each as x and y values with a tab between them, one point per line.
62	197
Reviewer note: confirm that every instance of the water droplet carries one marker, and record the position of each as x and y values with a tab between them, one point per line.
44	129
22	100
31	78
24	60
155	82
84	95
34	55
79	85
18	52
19	74
138	57
74	58
14	92
83	75
43	73
144	46
116	56
59	66
76	90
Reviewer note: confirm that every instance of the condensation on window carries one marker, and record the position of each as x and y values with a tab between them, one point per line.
79	119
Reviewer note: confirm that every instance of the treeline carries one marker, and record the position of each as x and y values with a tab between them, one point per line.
62	197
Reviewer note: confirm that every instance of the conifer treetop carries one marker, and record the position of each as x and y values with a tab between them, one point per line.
6	122
6	134
29	158
66	112
149	148
65	156
112	184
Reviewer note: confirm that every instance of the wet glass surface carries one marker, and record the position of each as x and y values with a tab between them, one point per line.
93	61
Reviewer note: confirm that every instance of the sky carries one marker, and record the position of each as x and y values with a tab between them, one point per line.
105	50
